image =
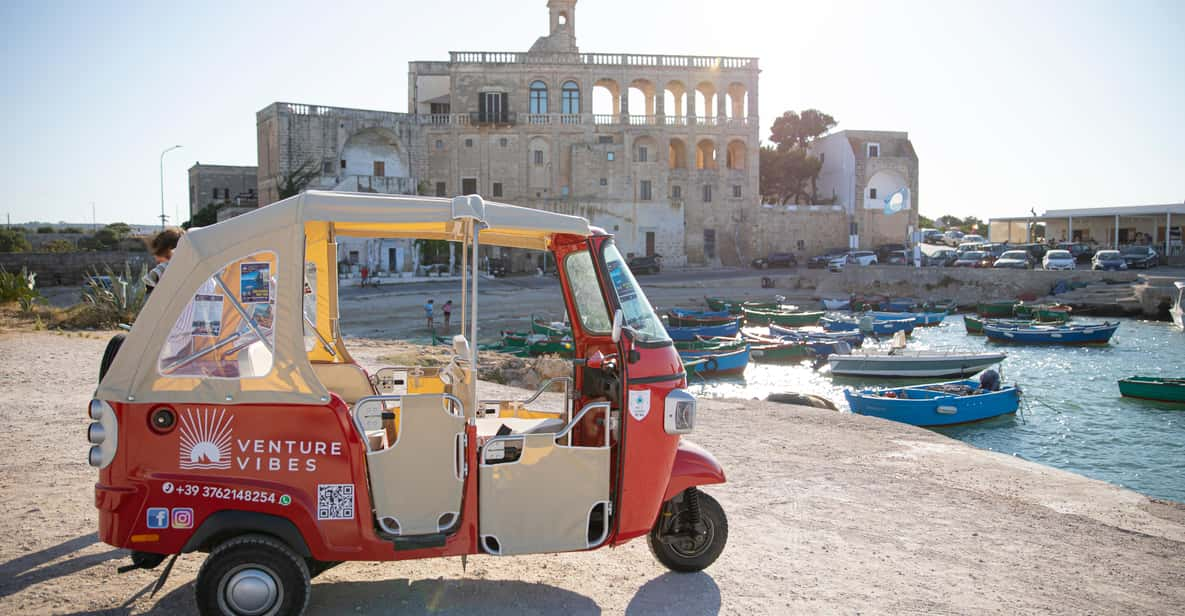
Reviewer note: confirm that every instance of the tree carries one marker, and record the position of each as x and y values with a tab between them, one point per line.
58	245
925	223
293	183
784	175
106	238
204	217
792	130
13	240
971	223
74	230
44	230
950	222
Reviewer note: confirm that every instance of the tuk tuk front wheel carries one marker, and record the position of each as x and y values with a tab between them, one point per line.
690	533
252	575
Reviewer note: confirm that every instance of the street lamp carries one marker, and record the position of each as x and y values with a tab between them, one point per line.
163	218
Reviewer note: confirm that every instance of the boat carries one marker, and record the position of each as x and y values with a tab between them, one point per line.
770	350
556	329
1178	309
1043	312
837	304
710	344
853	337
905	364
781	317
1000	309
839	324
860	303
532	345
1153	388
886	327
693	318
1098	333
715	363
734	306
939	404
726	330
974	323
921	319
941	305
902	304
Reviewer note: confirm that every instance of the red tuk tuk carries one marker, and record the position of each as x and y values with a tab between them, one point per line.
232	419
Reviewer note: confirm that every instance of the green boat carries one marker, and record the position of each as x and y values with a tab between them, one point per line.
780	352
736	306
781	317
552	329
1153	388
974	323
1048	313
998	309
711	344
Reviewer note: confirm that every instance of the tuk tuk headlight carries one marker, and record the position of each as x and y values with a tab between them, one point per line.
679	413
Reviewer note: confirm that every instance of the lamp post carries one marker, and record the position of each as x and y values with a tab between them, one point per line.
163	218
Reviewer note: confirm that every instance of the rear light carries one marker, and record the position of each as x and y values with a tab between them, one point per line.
103	434
679	412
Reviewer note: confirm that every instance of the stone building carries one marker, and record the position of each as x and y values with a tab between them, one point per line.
222	185
659	150
862	172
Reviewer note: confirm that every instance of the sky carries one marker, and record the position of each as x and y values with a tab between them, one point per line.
1010	105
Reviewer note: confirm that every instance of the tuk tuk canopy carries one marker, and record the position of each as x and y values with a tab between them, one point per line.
245	304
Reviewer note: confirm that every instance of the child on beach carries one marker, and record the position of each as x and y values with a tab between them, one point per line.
428	311
447	309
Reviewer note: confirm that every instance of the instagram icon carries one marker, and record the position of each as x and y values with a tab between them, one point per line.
182	517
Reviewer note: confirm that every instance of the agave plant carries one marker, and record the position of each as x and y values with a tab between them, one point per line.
16	287
118	298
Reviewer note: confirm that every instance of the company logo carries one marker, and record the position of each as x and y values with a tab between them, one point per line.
158	517
205	439
182	517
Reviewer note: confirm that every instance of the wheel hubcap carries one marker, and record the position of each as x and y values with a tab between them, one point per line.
250	591
694	546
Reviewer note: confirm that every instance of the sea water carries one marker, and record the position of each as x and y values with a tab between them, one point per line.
1072	416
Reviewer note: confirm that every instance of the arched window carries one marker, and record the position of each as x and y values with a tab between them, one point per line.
538	97
570	101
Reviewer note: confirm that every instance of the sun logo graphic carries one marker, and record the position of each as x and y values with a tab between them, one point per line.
205	439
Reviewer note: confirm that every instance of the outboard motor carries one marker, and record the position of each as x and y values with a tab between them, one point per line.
989	380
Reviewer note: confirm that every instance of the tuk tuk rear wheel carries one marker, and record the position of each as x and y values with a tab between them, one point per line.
681	545
252	575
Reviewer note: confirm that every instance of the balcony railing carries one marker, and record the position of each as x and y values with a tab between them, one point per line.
577	119
613	59
643	120
505	117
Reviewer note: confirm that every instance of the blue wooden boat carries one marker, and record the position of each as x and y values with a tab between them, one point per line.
696	318
920	319
700	314
837	304
725	330
715	363
901	304
1098	333
839	324
853	338
939	404
886	327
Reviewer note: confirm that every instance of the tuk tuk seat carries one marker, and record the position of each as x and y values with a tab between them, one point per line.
489	426
346	380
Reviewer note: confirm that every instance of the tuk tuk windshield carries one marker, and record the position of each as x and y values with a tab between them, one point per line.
640	319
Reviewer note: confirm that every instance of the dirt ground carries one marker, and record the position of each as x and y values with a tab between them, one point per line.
828	512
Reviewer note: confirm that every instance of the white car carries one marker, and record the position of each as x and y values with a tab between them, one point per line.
954	237
862	257
1058	260
974	239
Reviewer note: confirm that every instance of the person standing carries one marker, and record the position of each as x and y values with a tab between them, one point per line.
161	246
428	312
447	310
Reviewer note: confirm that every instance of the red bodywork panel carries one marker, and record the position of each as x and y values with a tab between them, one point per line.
694	466
267	459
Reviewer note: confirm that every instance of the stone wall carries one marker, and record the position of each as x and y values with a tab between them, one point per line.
804	230
71	268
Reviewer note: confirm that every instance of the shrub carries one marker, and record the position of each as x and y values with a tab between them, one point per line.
43	230
16	287
109	300
75	230
58	245
13	240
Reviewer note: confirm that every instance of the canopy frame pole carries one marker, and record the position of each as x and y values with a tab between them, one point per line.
464	278
477	226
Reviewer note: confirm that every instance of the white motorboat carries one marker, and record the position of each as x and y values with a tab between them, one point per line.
907	364
1179	306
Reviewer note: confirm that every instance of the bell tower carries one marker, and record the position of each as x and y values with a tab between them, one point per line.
561	37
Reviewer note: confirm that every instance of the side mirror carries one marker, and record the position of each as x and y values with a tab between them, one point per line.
618	323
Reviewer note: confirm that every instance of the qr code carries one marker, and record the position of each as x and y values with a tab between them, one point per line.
335	501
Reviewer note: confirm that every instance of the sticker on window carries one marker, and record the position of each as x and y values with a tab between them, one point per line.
207	315
253	283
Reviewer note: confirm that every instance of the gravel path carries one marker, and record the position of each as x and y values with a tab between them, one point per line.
829	513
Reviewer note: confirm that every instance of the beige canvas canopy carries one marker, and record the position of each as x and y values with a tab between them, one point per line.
250	275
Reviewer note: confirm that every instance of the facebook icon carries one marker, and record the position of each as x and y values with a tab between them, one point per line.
158	517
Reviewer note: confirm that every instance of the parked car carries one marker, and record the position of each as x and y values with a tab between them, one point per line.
1082	251
882	251
943	257
1108	260
776	259
900	257
953	238
1036	251
932	236
648	264
821	261
1142	257
996	250
862	257
1058	260
971	238
965	246
1014	259
974	258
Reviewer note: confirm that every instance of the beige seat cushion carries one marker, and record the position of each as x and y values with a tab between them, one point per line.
346	380
489	426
